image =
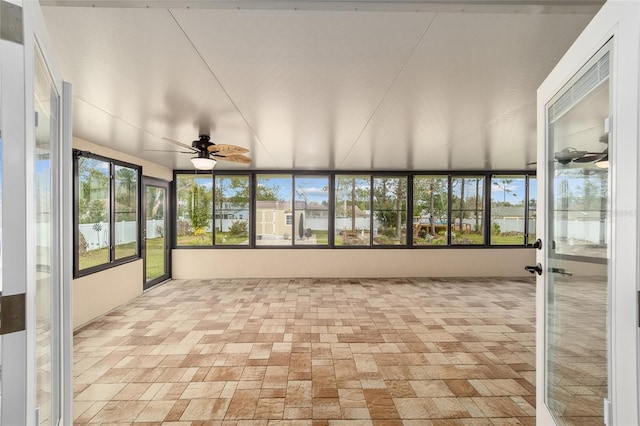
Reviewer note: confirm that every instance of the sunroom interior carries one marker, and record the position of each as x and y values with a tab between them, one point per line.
403	102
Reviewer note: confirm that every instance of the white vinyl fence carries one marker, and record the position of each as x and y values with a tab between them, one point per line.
97	235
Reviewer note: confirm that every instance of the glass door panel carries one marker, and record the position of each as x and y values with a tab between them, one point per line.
1	274
46	132
577	279
156	226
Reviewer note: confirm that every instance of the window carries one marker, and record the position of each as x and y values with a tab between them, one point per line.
273	203
107	214
467	209
389	210
311	207
430	210
531	210
126	210
231	206
508	208
353	210
581	212
194	210
324	209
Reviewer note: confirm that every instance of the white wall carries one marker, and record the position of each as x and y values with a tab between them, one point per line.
330	263
96	294
148	168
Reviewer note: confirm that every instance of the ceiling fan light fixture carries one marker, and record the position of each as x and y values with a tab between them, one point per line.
202	163
603	164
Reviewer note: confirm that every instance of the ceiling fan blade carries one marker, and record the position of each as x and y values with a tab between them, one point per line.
243	159
568	154
180	144
227	149
168	150
591	157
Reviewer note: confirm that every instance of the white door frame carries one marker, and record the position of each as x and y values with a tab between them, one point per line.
617	19
19	382
14	222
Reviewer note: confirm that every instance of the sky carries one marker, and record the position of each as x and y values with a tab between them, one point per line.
315	188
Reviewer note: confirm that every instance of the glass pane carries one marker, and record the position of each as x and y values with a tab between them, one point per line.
389	210
232	210
126	224
311	221
1	241
46	106
576	330
507	210
430	210
155	259
533	203
274	214
353	210
467	210
194	210
93	212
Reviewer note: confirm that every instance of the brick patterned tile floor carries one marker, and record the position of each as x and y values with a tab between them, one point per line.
313	352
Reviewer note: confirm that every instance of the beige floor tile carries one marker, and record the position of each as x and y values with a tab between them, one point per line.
155	411
100	392
433	352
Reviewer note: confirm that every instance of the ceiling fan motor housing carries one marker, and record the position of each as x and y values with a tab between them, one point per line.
202	144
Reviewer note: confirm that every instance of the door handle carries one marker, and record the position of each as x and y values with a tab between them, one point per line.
538	244
562	272
532	269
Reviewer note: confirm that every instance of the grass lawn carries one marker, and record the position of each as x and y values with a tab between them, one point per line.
101	256
155	256
226	239
222	239
322	237
95	258
508	240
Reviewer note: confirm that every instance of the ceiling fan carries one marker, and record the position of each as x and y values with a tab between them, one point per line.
601	159
208	153
570	154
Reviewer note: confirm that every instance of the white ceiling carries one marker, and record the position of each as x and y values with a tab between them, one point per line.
323	85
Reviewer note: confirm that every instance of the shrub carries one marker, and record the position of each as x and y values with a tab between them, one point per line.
183	228
389	232
238	228
82	245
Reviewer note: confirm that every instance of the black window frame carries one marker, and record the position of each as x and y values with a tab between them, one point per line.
332	175
112	262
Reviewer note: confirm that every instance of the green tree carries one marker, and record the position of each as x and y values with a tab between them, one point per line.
126	187
430	195
505	186
94	191
353	192
155	203
199	208
268	192
390	197
231	191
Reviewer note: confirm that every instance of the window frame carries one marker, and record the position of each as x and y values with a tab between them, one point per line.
311	175
112	262
485	209
370	175
251	213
